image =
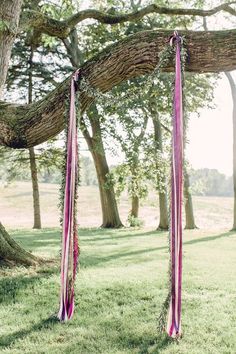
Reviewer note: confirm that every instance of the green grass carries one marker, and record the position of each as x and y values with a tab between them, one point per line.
120	288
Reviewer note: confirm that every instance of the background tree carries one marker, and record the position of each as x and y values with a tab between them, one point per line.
33	165
29	78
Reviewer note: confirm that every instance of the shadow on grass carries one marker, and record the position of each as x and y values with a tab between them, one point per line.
143	344
51	238
11	286
94	238
210	238
91	261
10	339
161	341
34	239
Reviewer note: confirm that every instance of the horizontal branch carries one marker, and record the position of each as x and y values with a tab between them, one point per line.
24	126
61	29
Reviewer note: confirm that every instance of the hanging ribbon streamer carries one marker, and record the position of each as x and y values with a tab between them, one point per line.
70	249
174	315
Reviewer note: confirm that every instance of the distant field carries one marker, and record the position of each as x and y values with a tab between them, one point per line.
16	211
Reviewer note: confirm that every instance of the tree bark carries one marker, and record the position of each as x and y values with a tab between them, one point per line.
35	187
233	92
188	204
11	253
163	208
28	125
9	19
110	214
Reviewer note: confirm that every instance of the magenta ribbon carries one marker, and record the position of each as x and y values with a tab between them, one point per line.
70	249
174	316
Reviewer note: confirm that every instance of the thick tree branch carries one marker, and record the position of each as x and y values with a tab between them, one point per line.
24	126
61	29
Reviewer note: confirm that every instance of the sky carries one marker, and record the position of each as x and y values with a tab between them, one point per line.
211	135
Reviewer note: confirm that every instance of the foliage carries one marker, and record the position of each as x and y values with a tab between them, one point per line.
135	222
48	67
123	178
14	166
15	163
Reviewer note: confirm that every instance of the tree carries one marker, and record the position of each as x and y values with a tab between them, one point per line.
33	165
29	78
24	126
162	183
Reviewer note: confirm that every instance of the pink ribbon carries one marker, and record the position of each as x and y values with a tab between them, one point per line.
70	250
174	316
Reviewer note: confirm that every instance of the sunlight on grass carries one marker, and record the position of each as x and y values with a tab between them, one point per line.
119	292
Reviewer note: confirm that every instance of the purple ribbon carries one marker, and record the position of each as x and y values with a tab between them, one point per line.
174	316
70	249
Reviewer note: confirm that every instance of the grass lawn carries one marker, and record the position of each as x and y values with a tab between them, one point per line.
119	292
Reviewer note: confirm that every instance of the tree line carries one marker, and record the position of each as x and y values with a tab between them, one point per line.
203	182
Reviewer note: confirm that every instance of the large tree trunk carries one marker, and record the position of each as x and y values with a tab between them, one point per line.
233	92
188	204
110	214
35	187
23	126
9	18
